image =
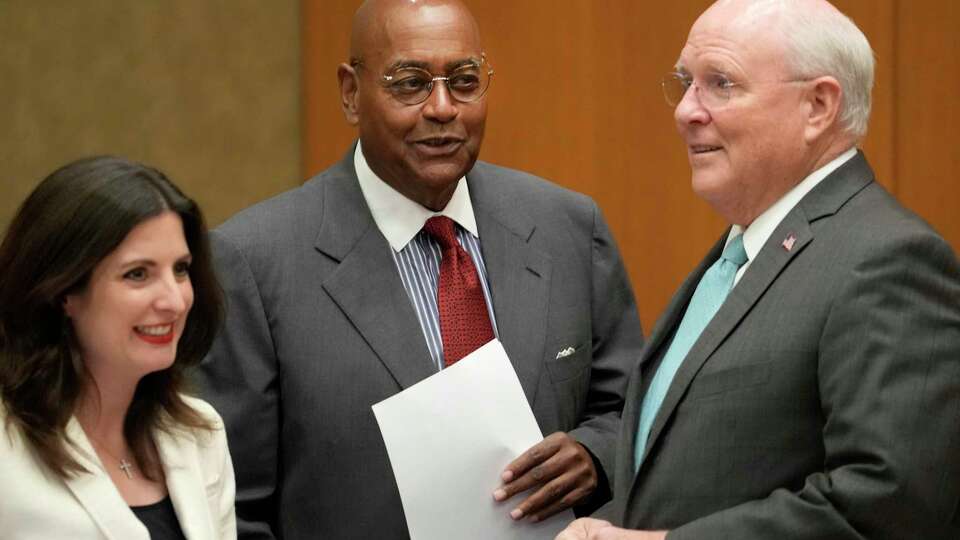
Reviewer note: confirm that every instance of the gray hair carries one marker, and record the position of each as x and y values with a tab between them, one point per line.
823	42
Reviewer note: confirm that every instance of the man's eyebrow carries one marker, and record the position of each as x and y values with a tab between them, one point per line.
457	64
402	64
449	66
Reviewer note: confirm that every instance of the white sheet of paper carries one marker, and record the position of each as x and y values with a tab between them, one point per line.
449	438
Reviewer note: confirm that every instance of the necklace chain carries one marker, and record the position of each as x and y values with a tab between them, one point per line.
125	466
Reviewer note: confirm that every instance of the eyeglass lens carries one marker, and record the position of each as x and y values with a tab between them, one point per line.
713	91
413	85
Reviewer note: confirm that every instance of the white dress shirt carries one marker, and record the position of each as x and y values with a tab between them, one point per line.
418	256
757	233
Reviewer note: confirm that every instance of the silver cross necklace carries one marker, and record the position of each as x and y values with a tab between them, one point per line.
125	466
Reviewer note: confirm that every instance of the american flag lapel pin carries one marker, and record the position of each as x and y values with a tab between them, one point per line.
789	241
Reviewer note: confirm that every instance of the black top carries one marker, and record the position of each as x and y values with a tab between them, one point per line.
160	519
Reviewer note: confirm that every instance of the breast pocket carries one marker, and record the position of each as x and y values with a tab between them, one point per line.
568	363
565	395
712	384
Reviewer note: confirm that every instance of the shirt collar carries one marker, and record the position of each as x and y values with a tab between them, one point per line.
757	233
399	218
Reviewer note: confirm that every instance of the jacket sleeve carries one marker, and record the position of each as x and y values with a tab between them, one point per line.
239	377
616	339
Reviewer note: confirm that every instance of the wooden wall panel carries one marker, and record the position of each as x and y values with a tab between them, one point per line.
928	85
876	19
325	27
207	91
576	99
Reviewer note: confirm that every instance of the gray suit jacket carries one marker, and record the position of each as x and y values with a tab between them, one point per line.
823	399
319	328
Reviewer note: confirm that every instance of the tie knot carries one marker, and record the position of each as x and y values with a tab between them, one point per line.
441	229
734	251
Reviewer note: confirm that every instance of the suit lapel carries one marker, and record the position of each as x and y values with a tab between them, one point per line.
519	277
662	330
366	285
824	200
678	305
770	261
96	492
184	479
827	198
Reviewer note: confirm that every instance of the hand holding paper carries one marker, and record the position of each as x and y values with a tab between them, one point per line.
449	438
561	468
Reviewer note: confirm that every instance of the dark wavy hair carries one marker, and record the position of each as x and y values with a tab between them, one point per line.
76	217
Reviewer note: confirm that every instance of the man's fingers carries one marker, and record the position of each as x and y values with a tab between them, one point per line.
558	468
535	476
558	464
534	455
563	502
557	494
536	501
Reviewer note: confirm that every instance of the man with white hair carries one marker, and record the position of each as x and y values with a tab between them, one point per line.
804	382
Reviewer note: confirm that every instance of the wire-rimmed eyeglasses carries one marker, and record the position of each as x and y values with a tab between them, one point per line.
412	85
713	90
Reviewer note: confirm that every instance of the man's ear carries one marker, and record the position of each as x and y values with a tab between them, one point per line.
823	107
349	86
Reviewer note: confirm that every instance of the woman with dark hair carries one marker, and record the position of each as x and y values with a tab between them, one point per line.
107	296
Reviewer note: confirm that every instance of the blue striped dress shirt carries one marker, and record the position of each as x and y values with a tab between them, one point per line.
419	267
416	254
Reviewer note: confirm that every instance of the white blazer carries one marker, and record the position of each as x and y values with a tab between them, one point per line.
36	504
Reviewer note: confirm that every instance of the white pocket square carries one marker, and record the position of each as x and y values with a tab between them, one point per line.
565	353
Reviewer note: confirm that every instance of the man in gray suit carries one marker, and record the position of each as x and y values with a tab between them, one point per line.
332	297
804	382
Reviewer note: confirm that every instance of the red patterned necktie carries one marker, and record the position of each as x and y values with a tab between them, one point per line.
464	321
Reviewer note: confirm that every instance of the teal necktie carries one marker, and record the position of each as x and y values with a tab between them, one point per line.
707	299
